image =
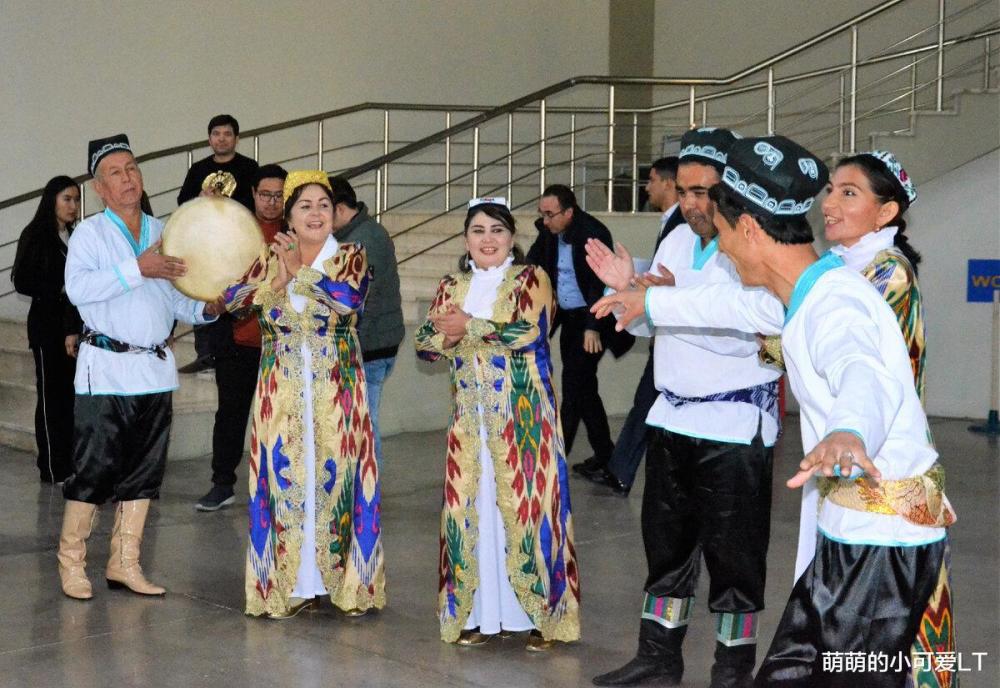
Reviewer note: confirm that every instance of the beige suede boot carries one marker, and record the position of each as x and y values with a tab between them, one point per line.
78	518
123	564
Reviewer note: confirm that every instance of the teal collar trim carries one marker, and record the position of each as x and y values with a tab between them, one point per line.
143	231
807	280
701	255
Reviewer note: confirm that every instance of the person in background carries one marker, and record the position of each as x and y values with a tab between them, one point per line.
53	322
381	328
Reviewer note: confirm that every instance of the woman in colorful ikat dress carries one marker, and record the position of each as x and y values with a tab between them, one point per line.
507	559
314	489
863	216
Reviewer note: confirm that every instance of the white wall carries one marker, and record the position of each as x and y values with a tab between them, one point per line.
159	70
957	217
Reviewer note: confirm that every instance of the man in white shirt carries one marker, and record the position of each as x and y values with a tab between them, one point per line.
881	545
712	430
125	371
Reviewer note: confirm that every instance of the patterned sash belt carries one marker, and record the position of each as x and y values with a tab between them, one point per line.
763	396
920	499
103	341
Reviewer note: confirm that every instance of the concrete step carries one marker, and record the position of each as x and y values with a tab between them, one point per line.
939	142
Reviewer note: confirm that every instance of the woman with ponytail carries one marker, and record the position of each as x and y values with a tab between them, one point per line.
863	215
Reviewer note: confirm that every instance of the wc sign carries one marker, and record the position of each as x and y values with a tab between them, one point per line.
984	278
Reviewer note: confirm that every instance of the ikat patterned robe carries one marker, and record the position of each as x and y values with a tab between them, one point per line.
348	497
503	364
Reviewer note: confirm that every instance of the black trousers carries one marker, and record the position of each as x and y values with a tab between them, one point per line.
631	444
852	599
119	447
581	400
710	498
54	372
213	338
236	380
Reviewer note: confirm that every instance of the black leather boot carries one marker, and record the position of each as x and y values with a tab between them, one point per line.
733	667
658	659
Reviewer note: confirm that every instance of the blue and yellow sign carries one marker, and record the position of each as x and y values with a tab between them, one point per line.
984	279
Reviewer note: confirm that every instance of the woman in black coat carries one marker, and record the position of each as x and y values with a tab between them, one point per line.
53	323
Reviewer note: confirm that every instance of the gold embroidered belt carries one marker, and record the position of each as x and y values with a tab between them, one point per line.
920	499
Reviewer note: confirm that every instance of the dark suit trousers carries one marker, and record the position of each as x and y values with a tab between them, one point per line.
631	444
236	373
581	400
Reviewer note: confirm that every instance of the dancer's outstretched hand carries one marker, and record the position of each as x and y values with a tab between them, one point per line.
626	305
614	269
843	449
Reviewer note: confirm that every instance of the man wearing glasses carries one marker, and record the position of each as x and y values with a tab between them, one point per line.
563	231
236	364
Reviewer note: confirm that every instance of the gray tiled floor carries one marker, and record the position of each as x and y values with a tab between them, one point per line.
198	636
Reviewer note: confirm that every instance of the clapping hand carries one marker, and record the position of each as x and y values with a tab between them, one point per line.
627	305
286	247
665	278
451	323
614	269
153	264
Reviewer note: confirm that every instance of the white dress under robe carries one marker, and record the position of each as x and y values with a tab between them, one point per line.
308	580
104	283
849	369
494	604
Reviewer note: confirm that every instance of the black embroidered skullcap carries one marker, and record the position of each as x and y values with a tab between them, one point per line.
98	149
778	176
707	145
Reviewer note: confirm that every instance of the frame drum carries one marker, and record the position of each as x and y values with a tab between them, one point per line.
218	239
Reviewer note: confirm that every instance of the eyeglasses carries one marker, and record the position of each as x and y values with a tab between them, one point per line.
547	215
265	196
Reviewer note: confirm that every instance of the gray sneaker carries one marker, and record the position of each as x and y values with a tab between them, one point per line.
218	497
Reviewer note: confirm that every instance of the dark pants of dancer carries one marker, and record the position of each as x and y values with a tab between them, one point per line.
631	444
54	372
119	447
581	400
852	599
711	498
213	338
236	373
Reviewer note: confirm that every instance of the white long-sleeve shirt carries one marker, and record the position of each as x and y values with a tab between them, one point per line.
849	369
692	362
104	283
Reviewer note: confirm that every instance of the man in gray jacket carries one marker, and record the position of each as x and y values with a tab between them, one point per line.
380	327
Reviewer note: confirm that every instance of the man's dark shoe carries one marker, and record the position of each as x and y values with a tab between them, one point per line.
642	670
608	479
733	666
589	467
218	497
197	365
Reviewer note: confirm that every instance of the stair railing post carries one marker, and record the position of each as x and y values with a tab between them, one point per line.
854	88
770	101
83	200
635	161
447	164
385	151
940	57
691	121
319	145
510	159
572	151
913	84
986	64
611	145
378	195
840	118
704	113
541	146
256	148
475	162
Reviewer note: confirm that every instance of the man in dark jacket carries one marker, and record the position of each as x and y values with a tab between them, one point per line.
380	327
563	231
223	137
